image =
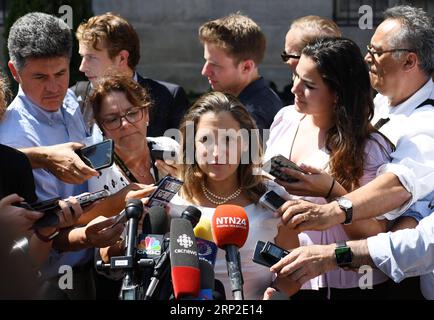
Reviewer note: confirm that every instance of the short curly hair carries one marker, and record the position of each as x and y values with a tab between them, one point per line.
135	93
112	32
38	35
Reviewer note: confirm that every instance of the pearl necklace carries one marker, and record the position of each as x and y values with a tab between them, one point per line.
220	200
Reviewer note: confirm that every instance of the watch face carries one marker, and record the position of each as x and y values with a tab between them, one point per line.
344	256
345	203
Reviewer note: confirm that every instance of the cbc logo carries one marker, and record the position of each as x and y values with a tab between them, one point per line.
184	241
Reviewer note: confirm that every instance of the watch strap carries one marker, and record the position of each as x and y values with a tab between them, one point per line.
344	256
48	238
348	211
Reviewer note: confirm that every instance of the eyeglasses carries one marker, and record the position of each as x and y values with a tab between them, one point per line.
285	57
132	116
380	52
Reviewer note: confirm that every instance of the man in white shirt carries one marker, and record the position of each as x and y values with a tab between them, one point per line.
400	59
400	254
401	62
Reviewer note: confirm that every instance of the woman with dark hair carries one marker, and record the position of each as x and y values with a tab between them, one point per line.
220	164
121	109
327	132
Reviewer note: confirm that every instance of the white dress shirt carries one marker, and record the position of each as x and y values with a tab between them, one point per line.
407	253
412	132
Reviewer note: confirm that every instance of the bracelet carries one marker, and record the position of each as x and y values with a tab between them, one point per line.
46	238
331	189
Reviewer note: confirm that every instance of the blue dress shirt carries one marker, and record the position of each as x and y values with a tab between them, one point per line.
26	125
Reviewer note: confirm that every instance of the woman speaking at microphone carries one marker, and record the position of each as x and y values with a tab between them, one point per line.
218	137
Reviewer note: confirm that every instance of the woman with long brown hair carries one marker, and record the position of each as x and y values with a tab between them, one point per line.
327	132
220	158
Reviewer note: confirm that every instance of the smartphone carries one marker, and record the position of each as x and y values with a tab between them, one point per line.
162	154
272	200
268	254
89	198
278	162
51	208
166	190
99	155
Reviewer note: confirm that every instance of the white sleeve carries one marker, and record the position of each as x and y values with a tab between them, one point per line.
405	253
413	161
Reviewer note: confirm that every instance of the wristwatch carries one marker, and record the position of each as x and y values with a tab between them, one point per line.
46	238
347	206
344	256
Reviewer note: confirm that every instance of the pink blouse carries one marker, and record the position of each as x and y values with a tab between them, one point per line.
282	133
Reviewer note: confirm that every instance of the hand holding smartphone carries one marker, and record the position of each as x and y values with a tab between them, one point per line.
272	200
277	163
268	254
166	190
98	156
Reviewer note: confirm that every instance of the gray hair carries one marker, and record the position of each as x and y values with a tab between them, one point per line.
417	34
38	35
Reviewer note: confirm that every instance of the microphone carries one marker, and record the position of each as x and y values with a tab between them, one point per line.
206	248
219	291
203	230
191	215
158	223
151	242
230	228
206	281
133	212
184	259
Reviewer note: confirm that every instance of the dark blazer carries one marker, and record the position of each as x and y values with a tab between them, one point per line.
169	103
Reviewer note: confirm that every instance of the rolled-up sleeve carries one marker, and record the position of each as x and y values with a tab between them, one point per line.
413	161
404	253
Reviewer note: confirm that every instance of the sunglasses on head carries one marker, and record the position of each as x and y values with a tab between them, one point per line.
285	56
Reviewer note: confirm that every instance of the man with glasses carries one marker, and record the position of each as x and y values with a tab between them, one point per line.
400	60
234	46
302	31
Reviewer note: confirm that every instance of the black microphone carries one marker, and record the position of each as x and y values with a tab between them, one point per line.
150	244
219	290
192	214
184	259
157	222
133	212
207	280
